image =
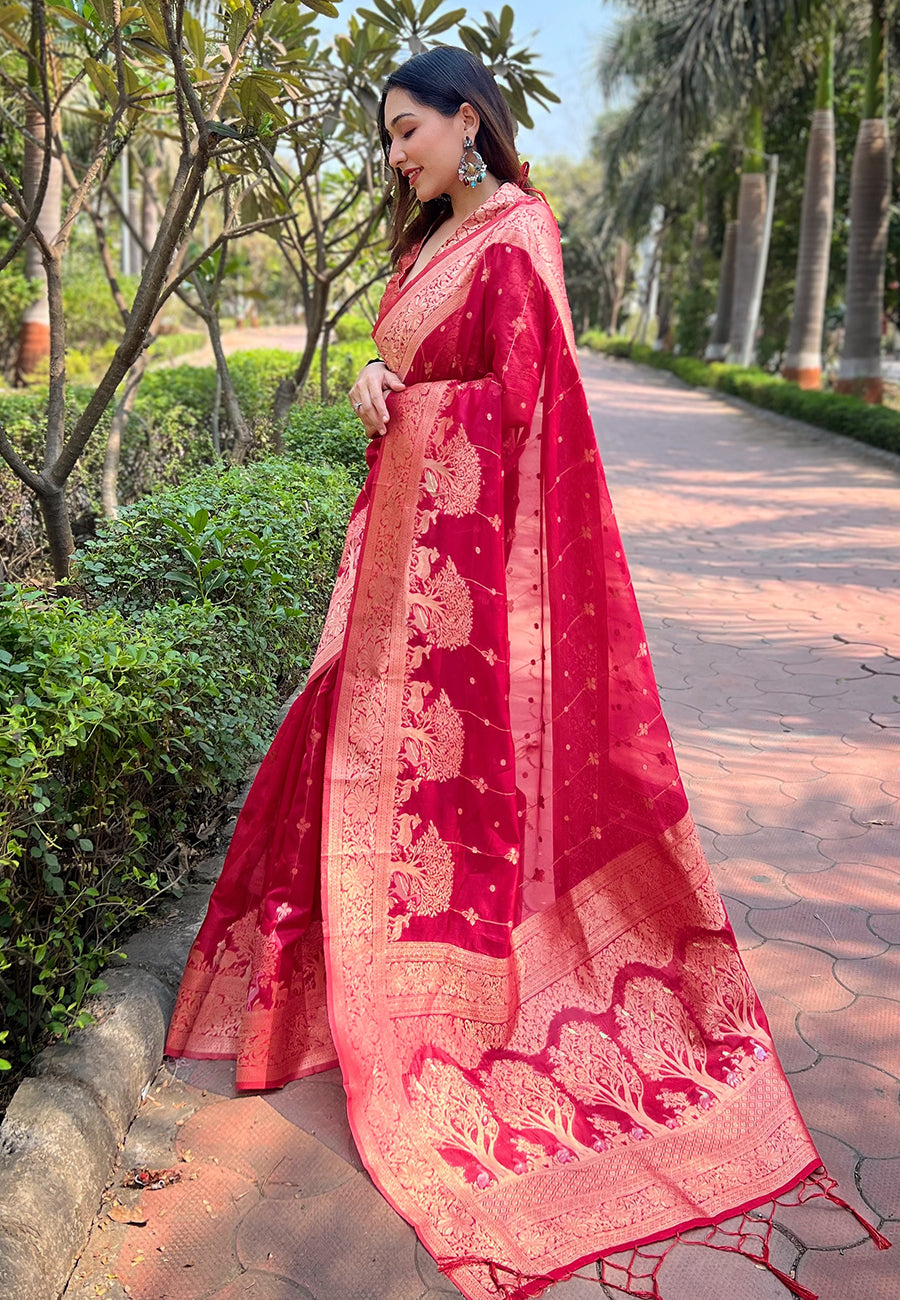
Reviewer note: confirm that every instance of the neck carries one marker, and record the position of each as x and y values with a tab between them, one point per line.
466	200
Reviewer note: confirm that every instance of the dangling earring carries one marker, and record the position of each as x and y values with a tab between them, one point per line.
472	167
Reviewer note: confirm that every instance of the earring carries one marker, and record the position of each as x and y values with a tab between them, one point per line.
472	167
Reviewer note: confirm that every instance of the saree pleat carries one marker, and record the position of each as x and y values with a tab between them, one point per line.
550	1047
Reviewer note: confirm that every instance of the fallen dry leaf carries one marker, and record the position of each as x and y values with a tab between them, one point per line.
122	1214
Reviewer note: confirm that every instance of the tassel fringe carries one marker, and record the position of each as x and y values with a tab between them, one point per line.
753	1236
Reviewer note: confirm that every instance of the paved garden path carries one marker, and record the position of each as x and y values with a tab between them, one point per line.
765	559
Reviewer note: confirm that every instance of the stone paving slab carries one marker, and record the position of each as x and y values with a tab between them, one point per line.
765	561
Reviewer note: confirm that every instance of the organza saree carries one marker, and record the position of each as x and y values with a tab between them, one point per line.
466	870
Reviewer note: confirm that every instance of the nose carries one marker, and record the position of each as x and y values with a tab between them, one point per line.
396	153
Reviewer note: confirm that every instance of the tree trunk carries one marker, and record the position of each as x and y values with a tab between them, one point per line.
323	367
803	362
859	371
748	250
316	313
216	418
620	276
665	312
717	349
243	435
110	481
55	513
34	336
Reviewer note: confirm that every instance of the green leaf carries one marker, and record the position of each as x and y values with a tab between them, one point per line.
195	38
155	25
322	7
103	79
473	41
446	20
236	29
62	11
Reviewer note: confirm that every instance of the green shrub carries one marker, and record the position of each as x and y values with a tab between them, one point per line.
351	327
123	712
877	425
24	415
169	346
92	317
327	435
169	434
693	312
256	375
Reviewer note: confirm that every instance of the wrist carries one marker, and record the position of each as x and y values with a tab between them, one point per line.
376	361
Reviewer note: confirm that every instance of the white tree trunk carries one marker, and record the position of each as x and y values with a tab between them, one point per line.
750	240
34	336
870	189
803	362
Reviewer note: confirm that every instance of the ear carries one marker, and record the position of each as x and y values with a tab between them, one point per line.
469	120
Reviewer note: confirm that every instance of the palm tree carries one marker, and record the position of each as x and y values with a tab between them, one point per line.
749	246
697	65
859	371
803	361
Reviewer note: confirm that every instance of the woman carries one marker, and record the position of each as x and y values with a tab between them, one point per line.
550	1048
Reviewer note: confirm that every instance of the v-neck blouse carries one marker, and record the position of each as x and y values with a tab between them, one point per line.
502	198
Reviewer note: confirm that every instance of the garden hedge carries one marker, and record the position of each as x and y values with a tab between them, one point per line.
168	437
129	707
877	425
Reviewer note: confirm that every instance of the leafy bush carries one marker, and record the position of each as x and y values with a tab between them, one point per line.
693	313
327	435
877	425
167	437
352	327
168	346
256	375
92	317
123	711
24	415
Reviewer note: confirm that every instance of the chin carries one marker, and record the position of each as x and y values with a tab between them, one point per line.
431	190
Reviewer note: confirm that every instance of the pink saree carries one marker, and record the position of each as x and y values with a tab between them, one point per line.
466	870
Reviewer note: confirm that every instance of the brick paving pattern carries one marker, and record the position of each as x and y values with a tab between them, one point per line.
765	560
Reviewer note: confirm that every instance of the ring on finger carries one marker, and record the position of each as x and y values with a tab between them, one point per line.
357	405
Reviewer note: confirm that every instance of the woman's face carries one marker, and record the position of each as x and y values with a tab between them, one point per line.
426	146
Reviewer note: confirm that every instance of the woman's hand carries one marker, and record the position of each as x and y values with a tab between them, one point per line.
368	396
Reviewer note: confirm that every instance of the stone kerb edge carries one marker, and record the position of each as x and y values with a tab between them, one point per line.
68	1119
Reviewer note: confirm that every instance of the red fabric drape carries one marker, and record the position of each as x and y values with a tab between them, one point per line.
549	1044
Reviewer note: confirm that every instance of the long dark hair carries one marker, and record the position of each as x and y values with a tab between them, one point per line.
445	78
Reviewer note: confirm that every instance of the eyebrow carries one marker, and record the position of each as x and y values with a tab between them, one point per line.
395	120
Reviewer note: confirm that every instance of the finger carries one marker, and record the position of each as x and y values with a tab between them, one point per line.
392	381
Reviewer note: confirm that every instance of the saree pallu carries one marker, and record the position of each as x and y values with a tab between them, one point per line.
467	871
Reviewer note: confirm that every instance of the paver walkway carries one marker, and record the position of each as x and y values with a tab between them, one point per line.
765	559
